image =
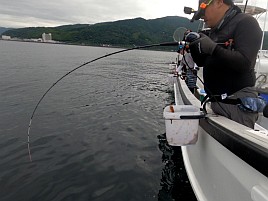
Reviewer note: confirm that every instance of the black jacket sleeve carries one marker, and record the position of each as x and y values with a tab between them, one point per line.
247	41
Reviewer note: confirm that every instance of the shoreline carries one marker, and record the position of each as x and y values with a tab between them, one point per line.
84	45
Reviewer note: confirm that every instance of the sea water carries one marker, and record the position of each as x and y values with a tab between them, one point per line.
97	135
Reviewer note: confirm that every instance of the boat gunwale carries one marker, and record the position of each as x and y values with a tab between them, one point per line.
255	153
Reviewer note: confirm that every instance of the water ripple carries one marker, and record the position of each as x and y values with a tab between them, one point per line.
93	136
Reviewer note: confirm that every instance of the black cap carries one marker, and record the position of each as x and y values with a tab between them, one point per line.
200	12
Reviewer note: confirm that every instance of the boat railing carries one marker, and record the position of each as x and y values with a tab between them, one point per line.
261	69
263	53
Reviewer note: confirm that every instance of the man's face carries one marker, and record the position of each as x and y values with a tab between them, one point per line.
212	14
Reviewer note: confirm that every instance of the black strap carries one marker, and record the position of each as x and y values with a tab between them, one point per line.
217	98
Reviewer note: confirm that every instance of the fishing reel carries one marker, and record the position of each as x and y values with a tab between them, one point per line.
191	37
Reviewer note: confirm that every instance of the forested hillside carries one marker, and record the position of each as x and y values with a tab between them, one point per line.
122	33
119	33
3	29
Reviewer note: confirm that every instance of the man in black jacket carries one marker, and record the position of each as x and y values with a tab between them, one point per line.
228	56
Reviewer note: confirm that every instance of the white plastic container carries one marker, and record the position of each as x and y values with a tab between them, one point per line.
182	124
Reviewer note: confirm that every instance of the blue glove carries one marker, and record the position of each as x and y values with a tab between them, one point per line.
204	44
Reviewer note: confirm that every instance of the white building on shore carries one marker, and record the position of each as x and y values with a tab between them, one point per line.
6	37
47	37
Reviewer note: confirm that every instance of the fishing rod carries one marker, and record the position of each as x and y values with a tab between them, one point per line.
82	65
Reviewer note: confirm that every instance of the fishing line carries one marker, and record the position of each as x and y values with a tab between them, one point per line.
82	65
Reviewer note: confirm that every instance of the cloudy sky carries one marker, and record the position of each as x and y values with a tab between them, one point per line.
25	13
32	13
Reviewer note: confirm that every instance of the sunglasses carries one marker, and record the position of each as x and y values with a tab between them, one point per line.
201	10
204	5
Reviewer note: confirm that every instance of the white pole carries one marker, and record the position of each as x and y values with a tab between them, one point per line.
175	93
264	25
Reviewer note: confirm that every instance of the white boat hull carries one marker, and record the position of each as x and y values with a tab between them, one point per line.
229	160
217	174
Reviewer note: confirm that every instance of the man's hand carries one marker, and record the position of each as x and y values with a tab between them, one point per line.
204	45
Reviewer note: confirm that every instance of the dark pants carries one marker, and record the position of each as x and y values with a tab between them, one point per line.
233	112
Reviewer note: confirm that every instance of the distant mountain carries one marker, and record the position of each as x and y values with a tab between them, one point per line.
122	33
119	33
3	29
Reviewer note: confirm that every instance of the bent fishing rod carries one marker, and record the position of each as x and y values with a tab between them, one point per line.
82	65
